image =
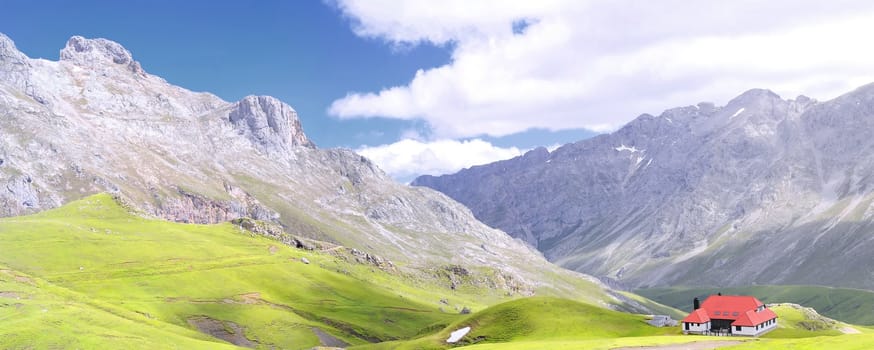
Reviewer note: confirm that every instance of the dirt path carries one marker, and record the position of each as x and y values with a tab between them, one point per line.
698	345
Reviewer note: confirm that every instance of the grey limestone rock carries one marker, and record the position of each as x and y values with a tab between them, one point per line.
98	52
270	123
9	54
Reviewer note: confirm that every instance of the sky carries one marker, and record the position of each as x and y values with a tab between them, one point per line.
430	87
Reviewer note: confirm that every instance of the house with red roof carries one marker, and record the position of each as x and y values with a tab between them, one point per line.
730	314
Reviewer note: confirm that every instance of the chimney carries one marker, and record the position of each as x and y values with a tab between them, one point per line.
696	304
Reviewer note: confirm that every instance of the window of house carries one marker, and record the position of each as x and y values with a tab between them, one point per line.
737	328
716	313
734	313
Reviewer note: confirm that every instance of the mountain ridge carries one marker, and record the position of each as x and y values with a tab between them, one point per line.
695	195
94	121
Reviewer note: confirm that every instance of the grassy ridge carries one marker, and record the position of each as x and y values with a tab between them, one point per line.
537	319
99	265
849	305
794	323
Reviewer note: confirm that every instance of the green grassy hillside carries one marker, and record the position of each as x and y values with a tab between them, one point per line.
538	319
796	322
90	275
555	319
849	305
37	315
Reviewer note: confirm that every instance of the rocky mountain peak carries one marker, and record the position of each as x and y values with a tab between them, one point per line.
756	94
98	53
269	123
539	153
8	51
755	98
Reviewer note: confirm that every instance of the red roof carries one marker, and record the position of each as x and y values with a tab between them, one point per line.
738	308
752	318
697	316
729	307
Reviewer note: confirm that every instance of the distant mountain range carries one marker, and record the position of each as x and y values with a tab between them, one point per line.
760	191
95	121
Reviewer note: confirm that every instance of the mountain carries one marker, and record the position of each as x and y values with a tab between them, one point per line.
95	121
760	191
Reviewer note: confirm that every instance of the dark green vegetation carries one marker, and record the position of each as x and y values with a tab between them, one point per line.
849	305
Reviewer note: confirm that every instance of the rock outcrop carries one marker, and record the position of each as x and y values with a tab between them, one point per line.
269	123
95	53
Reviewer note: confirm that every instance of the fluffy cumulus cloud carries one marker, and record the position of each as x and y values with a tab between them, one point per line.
560	64
406	159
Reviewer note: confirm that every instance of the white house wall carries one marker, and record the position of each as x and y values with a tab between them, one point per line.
701	327
768	328
751	331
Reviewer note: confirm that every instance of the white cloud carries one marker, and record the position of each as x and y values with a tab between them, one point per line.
406	159
598	64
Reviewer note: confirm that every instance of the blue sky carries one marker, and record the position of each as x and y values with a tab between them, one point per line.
424	86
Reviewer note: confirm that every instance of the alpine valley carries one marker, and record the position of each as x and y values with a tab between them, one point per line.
137	214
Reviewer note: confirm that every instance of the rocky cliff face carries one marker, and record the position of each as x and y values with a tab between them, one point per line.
98	52
762	190
95	121
269	123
